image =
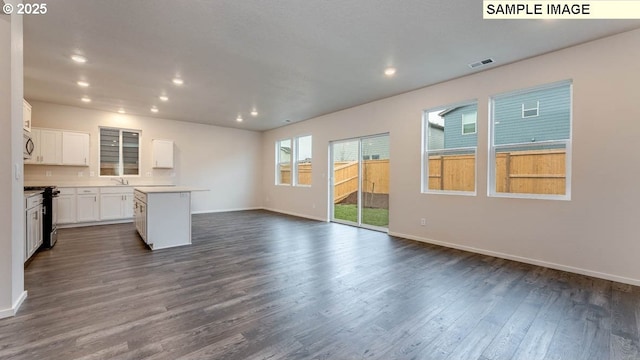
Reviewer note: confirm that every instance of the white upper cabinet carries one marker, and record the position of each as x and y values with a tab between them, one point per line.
162	154
26	115
58	147
75	148
47	147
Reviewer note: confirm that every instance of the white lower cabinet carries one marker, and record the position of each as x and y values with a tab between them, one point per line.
67	206
116	203
140	214
163	217
87	206
94	204
33	228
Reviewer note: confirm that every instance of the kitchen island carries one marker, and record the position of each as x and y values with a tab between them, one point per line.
162	215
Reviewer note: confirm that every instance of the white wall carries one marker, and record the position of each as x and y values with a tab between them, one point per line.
594	233
11	181
226	161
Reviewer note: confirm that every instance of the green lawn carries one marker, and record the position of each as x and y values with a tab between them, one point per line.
376	217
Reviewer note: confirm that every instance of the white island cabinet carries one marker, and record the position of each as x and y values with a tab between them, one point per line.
162	215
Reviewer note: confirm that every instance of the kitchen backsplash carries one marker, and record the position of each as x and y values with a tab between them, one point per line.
76	175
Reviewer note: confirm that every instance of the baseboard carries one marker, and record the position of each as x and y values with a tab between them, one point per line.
94	223
16	306
224	210
295	214
571	269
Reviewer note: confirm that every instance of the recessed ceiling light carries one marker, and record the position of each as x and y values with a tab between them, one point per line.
83	83
178	81
254	112
390	71
239	118
121	111
163	98
79	59
86	99
154	109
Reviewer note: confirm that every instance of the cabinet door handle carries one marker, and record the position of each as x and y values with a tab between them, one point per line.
95	199
85	161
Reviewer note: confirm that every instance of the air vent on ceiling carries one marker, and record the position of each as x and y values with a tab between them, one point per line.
481	63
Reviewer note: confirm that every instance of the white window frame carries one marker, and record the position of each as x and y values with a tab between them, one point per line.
491	171
537	109
475	123
296	142
278	182
293	161
120	154
426	152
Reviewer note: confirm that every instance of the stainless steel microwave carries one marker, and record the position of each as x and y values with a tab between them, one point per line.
27	146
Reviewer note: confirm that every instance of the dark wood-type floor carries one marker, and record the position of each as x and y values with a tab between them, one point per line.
258	285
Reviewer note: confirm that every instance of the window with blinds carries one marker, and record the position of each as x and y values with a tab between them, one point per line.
531	142
119	152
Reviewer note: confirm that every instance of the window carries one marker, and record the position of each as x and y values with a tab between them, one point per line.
530	109
283	160
294	162
303	161
449	147
531	158
119	152
469	121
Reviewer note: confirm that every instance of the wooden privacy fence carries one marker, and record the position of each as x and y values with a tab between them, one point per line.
304	174
527	172
345	175
375	173
531	172
452	172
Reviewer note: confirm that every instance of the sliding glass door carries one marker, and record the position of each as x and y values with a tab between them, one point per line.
360	181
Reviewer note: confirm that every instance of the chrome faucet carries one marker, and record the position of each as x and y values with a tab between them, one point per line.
121	181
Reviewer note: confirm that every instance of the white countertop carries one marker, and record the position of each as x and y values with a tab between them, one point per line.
30	193
166	189
77	184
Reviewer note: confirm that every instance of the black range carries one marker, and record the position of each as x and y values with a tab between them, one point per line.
50	217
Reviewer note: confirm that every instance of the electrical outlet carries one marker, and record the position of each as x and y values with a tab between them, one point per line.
313	205
92	173
423	222
173	174
80	174
148	174
47	173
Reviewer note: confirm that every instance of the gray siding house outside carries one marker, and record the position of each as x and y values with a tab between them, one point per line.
435	140
551	123
376	148
453	137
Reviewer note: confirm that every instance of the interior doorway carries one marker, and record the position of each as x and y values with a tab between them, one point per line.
360	181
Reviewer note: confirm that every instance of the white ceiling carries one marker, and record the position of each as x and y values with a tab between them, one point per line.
290	59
